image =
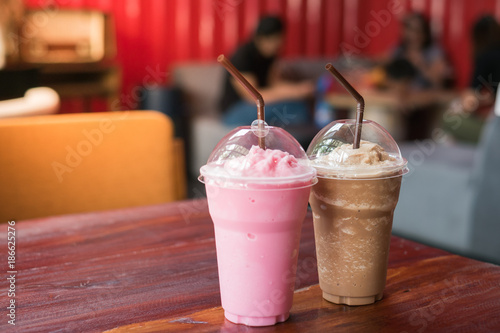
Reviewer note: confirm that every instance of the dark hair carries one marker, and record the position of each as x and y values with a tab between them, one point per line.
485	34
268	26
426	28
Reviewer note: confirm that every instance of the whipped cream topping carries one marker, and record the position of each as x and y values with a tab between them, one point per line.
264	163
367	154
369	160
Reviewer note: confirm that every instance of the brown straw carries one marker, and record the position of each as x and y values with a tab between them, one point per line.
251	89
359	99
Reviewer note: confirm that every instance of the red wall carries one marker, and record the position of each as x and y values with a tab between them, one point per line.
155	34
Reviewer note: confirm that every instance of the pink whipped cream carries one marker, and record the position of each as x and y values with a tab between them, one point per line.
264	163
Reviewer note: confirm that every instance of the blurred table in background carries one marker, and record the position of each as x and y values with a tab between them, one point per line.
384	108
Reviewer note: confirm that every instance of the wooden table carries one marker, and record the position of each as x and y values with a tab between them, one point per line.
154	269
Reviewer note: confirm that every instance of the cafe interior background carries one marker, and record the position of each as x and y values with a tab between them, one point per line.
90	57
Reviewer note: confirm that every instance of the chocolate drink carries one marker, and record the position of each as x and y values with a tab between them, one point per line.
352	226
353	205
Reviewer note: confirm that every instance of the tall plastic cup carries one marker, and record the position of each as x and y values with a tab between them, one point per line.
353	205
257	200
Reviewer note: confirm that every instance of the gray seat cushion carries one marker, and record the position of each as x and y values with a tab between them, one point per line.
451	196
434	206
485	214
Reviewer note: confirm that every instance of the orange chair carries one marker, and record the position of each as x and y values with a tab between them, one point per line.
71	163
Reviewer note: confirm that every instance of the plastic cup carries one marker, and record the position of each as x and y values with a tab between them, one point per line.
353	207
257	222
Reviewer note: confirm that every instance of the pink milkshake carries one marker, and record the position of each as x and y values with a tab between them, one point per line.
257	200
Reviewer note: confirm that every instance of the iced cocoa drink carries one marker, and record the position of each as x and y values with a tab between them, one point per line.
353	205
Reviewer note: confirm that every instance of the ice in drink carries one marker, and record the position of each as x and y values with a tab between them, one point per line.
257	200
353	205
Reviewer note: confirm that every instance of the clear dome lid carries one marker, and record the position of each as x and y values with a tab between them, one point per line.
331	152
238	161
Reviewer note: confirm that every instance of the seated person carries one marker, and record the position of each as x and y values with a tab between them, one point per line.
478	99
427	57
416	73
256	60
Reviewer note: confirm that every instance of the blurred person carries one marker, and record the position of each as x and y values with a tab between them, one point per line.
418	47
257	61
476	101
486	57
417	71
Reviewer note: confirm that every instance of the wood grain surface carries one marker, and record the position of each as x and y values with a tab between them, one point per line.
154	269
